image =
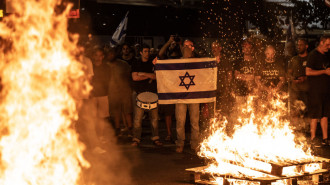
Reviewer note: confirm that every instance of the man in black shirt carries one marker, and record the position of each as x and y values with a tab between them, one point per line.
223	103
144	80
298	83
126	54
318	73
224	77
270	75
244	74
224	100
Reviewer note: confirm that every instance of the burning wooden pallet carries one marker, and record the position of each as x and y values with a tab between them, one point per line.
277	172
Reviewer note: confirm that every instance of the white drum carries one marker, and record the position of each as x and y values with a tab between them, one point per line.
147	100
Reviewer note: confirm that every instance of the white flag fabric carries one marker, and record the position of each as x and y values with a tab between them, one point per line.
191	80
119	36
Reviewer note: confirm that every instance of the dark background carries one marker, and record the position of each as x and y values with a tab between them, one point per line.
162	20
197	18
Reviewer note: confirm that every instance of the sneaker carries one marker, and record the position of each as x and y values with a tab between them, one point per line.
168	138
325	142
117	132
314	143
135	144
157	143
179	149
130	132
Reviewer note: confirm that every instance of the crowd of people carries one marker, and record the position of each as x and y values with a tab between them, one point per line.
120	74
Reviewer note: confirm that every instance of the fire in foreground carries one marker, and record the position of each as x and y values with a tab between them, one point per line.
261	148
41	79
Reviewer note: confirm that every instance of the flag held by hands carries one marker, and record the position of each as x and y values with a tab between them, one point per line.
191	80
119	35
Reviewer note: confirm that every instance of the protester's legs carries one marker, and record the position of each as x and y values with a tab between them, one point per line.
313	128
304	97
207	112
127	107
103	106
194	121
128	120
326	115
153	116
180	115
314	110
102	113
134	94
295	110
88	119
115	111
305	119
324	126
168	110
292	99
168	121
137	124
116	117
128	123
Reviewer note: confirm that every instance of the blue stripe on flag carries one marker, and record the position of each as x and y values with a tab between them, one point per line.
180	66
113	42
186	95
123	32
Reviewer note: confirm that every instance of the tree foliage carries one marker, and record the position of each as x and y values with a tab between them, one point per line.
228	18
307	14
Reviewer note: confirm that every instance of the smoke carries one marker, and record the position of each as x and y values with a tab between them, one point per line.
109	166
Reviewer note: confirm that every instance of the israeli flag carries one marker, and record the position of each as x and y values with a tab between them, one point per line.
191	80
119	36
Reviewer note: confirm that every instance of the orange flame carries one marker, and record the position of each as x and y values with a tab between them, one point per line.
40	76
261	137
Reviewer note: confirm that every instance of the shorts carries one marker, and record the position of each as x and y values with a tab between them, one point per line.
101	105
319	105
298	102
120	104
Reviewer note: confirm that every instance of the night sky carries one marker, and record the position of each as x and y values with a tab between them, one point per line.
103	19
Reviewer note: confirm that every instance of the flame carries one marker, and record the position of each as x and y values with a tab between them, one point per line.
261	137
312	167
220	180
41	80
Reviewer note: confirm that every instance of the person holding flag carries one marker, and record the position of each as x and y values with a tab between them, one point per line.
186	82
181	110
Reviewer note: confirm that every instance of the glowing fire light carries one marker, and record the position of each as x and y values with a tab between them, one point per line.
262	137
40	79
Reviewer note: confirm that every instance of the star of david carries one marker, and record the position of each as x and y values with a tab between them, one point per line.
191	77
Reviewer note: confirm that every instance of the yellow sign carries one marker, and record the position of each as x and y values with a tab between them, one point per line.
1	13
